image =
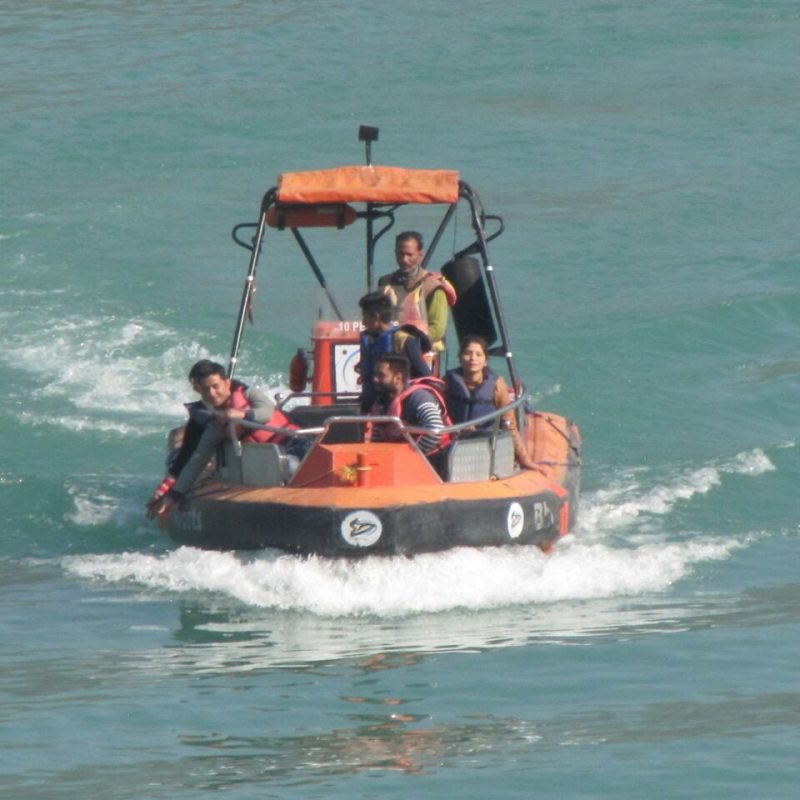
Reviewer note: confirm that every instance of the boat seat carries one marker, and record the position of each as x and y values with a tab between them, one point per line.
263	465
469	460
503	462
478	458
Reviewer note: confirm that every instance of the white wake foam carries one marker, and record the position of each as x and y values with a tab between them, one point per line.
465	578
635	494
607	557
104	364
104	374
93	506
277	611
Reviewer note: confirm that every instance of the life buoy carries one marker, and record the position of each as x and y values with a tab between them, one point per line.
434	281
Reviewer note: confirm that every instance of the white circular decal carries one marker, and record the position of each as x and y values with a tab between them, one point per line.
345	359
515	520
361	528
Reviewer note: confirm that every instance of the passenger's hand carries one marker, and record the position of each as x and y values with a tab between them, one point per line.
159	507
152	507
161	491
231	415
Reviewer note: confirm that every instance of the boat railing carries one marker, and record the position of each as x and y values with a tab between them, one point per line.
336	397
407	430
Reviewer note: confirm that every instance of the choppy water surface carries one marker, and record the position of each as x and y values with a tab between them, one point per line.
644	159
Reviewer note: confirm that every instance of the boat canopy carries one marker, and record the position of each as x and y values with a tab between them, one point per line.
369	184
335	198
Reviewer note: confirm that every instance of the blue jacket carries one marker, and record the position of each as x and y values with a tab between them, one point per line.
464	404
374	345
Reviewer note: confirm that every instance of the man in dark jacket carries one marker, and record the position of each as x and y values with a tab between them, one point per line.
383	335
414	403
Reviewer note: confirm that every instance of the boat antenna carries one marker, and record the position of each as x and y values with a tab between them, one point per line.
368	135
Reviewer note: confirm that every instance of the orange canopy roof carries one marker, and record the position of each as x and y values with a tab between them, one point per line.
369	185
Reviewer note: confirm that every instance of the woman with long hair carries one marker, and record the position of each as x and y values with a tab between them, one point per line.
473	390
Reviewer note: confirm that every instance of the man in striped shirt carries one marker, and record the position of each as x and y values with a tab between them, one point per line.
415	404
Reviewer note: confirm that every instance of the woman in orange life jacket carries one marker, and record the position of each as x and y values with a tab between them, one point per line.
473	390
223	400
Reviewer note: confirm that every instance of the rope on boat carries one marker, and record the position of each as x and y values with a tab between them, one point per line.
549	420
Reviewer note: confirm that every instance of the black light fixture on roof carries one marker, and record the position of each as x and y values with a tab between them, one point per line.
368	135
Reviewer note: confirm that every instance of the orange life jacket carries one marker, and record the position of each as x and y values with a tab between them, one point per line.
412	301
278	419
430	384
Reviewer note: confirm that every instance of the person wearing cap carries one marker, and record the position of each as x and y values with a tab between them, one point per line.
382	334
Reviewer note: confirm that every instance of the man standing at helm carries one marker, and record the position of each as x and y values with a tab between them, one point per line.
420	297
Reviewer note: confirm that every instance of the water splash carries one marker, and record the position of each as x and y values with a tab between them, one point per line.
109	375
606	558
93	506
389	587
634	494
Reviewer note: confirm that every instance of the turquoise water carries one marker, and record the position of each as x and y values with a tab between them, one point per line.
644	158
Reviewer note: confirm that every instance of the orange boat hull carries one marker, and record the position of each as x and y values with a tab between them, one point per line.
350	500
